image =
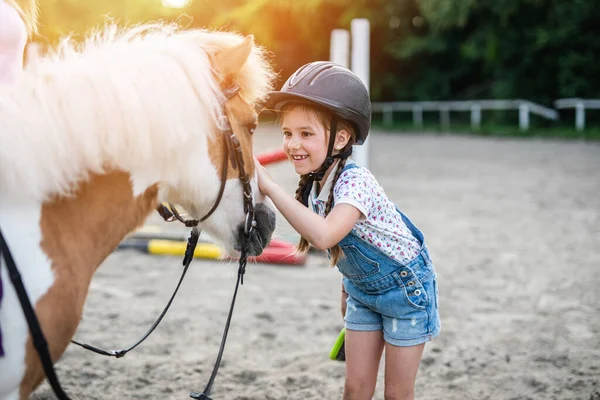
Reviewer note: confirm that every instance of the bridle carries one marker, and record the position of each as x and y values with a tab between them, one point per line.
233	150
234	155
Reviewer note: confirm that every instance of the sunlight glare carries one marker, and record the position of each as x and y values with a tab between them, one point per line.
175	3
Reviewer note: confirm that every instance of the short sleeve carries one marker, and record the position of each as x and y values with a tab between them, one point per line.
355	187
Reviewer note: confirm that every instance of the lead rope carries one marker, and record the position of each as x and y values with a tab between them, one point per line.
37	336
41	344
170	215
240	280
248	228
187	260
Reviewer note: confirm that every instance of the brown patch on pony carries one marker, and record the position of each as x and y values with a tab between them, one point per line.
241	114
78	233
230	61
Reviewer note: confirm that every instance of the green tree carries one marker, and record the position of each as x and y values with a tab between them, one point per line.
534	49
420	49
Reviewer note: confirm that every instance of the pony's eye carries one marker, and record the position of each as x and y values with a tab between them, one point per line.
252	127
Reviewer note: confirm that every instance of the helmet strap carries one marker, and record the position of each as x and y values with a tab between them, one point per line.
329	160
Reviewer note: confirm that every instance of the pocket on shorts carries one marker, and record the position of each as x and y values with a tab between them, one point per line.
418	292
355	265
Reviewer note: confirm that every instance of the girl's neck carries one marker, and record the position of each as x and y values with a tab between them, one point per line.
327	173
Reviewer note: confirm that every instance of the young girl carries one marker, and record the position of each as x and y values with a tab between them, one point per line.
17	21
389	282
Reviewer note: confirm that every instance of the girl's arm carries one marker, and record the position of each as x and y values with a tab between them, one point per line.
322	233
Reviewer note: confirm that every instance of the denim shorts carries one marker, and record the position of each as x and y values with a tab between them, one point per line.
406	310
386	295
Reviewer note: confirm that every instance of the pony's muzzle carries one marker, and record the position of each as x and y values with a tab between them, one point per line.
260	235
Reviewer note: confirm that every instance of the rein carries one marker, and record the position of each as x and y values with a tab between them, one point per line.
234	153
37	336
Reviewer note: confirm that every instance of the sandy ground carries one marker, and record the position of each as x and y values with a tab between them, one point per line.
514	230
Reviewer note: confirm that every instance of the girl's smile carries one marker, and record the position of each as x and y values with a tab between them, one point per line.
298	159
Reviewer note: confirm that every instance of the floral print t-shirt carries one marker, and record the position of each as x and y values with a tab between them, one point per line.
380	224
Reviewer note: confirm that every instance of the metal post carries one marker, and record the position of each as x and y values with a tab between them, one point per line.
360	28
579	116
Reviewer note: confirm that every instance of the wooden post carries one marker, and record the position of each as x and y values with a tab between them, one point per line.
418	116
523	117
445	117
388	116
339	48
360	30
580	116
475	116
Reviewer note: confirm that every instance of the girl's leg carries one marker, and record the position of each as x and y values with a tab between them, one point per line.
401	365
363	353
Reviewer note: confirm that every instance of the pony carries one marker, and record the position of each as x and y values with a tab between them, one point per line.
94	137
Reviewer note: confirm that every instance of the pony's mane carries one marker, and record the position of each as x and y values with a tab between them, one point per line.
122	99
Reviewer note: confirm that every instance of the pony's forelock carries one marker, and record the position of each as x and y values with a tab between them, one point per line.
256	76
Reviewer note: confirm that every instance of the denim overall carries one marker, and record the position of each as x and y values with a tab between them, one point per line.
384	294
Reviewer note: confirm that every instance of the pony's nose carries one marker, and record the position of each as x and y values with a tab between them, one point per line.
260	236
265	225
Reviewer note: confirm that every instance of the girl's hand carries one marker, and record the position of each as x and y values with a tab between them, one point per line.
264	179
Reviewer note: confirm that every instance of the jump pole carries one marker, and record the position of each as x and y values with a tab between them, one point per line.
339	50
271	157
339	47
360	28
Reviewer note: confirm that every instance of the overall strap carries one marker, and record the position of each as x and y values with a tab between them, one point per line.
411	226
416	232
350	165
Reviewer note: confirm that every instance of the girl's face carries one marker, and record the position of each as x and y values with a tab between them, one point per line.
305	139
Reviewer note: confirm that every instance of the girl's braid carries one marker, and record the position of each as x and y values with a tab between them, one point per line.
303	245
334	251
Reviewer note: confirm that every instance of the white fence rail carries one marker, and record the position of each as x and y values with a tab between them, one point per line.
474	106
579	105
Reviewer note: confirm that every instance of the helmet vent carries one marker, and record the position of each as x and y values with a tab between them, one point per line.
298	75
323	69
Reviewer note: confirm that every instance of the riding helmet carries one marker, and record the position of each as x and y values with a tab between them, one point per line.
331	86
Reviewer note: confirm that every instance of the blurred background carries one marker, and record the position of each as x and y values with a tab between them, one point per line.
537	50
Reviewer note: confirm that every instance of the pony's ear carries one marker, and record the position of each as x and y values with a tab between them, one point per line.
230	61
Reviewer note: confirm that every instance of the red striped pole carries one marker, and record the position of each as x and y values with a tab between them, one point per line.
271	157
